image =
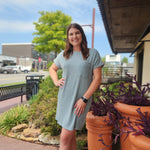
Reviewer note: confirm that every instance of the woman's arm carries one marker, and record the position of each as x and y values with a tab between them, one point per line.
53	73
95	83
80	105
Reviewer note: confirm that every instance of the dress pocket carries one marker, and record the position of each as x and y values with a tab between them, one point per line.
84	69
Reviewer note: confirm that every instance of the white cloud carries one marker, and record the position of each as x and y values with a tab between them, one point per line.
60	3
80	10
15	26
18	2
97	29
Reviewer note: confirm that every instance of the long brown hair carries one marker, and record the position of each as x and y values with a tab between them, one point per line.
69	48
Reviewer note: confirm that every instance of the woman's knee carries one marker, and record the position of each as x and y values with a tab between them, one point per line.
67	136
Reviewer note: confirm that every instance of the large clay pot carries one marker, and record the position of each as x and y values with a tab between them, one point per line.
139	142
96	126
128	111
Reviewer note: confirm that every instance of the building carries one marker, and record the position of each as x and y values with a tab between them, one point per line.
18	49
25	55
7	60
113	60
127	24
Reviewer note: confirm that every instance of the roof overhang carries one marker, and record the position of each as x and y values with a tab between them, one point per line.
126	22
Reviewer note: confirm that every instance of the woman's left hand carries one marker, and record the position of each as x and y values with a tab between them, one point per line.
79	107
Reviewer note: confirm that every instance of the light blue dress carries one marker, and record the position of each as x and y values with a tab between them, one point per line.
78	74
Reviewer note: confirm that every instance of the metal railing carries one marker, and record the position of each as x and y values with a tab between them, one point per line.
112	74
109	75
12	91
29	89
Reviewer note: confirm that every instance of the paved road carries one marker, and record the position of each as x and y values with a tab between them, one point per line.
20	77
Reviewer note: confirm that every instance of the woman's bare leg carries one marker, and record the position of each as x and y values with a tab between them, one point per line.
67	140
74	144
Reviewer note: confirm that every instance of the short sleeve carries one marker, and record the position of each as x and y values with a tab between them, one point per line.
97	61
57	60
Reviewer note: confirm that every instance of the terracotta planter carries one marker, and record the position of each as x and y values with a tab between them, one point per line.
96	126
128	111
139	142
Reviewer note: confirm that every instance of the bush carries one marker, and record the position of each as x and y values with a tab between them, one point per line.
49	64
32	99
48	83
43	109
81	144
12	118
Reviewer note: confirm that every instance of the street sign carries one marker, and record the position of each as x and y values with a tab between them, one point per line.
39	59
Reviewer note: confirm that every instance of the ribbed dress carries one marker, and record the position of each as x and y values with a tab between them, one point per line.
78	74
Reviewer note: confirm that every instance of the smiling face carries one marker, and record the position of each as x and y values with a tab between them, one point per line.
75	38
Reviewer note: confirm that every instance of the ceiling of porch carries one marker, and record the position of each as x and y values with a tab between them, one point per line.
125	21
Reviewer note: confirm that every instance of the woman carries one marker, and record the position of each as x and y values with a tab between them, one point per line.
81	77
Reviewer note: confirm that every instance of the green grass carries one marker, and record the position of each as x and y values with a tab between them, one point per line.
12	84
12	118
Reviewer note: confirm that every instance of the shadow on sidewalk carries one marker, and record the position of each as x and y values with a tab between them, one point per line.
7	104
7	143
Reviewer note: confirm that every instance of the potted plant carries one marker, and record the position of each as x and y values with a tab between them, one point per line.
139	135
125	97
101	119
131	96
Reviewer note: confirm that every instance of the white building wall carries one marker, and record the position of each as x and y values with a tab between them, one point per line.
146	63
113	59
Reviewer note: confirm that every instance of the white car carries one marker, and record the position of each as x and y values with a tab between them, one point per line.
6	70
10	69
16	69
25	69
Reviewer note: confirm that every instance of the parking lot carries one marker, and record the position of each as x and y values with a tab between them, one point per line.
19	77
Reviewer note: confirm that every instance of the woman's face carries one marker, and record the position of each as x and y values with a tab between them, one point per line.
74	37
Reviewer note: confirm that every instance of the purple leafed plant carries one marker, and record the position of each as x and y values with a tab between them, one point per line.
133	93
103	104
103	101
142	124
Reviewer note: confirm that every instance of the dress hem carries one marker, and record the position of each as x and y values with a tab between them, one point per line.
67	128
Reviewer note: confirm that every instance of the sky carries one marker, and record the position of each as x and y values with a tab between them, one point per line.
17	17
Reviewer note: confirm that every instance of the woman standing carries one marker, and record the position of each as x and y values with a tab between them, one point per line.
81	77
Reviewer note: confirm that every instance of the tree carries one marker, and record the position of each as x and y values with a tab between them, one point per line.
51	31
103	59
125	60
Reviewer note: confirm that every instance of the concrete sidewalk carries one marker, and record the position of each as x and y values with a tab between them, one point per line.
7	104
7	143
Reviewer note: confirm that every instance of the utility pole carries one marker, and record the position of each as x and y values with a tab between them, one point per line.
92	26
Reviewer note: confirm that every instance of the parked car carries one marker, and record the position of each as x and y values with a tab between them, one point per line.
25	69
10	69
6	70
16	69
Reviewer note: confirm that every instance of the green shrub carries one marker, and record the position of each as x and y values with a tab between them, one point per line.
48	82
34	70
13	117
43	108
32	99
43	111
49	64
81	144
